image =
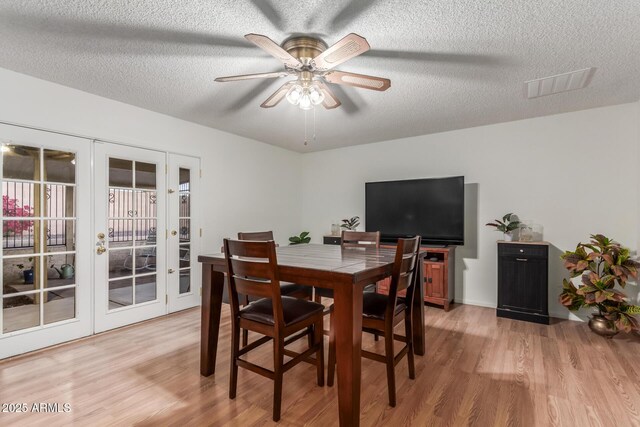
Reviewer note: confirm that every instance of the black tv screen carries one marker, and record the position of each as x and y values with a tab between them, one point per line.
432	208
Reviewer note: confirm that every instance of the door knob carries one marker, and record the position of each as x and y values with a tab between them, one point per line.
174	232
171	270
100	245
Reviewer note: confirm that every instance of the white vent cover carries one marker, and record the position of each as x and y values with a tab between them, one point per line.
559	83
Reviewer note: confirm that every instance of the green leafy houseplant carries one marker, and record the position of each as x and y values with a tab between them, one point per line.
302	238
509	223
351	223
602	264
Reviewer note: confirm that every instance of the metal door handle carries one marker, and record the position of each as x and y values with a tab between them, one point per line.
171	270
100	245
522	259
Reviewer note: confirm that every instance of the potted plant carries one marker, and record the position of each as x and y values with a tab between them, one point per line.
302	238
509	223
27	274
351	224
602	264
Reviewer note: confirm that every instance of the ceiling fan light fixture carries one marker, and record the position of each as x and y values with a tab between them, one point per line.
316	95
294	95
305	102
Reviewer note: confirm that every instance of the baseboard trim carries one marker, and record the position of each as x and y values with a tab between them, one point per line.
565	315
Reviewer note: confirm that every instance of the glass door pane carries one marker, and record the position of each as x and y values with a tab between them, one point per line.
38	237
132	233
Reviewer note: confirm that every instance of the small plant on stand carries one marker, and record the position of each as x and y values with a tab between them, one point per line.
510	222
351	224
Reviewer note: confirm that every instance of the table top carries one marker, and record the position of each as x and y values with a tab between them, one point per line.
331	258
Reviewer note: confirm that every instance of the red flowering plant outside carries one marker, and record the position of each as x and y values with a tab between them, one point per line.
10	208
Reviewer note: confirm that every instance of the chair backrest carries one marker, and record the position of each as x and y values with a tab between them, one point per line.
404	269
252	270
360	239
261	236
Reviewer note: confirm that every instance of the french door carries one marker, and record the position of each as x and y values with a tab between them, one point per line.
147	234
129	235
46	248
185	232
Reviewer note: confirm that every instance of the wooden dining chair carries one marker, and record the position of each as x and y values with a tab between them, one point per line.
252	269
350	239
286	288
381	313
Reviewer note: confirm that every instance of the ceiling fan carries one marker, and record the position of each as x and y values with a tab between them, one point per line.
312	62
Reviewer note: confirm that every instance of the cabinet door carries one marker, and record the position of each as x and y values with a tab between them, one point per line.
434	277
522	284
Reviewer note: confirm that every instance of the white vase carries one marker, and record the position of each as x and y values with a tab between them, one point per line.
508	237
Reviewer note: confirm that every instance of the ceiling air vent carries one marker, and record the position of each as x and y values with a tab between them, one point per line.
559	83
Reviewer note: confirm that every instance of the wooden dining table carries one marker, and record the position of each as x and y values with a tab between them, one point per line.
345	270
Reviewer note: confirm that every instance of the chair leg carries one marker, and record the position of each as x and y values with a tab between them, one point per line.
317	298
278	361
331	363
376	337
318	339
391	374
245	333
235	349
409	334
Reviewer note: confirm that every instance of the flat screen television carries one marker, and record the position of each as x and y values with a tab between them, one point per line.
432	208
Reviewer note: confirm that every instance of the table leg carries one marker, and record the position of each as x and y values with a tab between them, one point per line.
417	312
348	329
212	287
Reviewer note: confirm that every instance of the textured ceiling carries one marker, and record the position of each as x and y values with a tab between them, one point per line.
452	64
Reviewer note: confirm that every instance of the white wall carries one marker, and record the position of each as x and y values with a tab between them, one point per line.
573	173
248	185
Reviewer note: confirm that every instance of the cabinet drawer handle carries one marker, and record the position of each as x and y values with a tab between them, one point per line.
522	259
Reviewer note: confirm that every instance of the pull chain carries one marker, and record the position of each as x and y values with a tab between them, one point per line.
314	125
305	127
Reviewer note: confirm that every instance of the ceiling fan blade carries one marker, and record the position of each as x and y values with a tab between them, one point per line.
350	46
330	101
273	49
278	95
252	76
358	80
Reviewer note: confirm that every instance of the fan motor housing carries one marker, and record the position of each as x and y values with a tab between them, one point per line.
304	48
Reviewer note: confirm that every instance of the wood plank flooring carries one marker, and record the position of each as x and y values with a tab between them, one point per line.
479	370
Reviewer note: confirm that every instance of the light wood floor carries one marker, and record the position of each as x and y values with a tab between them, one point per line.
479	370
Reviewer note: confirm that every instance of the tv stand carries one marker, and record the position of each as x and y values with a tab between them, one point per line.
438	266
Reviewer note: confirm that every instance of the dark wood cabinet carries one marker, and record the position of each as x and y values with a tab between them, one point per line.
331	240
523	280
438	272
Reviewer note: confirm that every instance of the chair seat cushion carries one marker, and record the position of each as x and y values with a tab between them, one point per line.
287	288
294	310
374	305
